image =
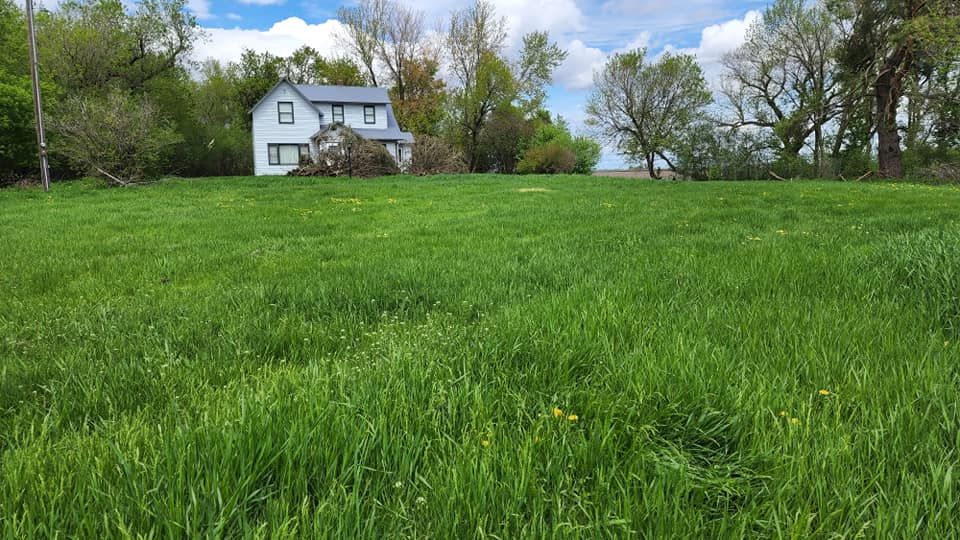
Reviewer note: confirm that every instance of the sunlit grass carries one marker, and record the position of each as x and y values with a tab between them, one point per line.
470	356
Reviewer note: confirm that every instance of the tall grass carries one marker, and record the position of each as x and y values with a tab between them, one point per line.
479	356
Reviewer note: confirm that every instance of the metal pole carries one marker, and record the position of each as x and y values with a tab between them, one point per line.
37	104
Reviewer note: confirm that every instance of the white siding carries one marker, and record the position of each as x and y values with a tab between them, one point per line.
267	128
353	115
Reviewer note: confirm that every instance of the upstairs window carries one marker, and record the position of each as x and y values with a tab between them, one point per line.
285	112
369	114
338	113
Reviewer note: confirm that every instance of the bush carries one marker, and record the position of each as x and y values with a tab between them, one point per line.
553	158
119	137
432	155
587	152
945	172
353	156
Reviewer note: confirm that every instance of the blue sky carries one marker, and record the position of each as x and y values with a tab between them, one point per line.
589	29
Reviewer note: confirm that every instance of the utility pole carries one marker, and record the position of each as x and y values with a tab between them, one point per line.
37	104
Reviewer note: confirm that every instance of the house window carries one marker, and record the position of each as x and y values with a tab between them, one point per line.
399	153
338	113
285	112
369	114
287	154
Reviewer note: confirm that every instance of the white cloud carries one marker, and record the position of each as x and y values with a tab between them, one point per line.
200	9
281	39
262	2
577	70
642	41
717	40
555	16
233	17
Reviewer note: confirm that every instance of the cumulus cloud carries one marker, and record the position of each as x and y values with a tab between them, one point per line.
200	9
577	70
717	40
233	17
281	39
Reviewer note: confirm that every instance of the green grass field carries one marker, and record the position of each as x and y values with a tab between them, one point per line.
287	357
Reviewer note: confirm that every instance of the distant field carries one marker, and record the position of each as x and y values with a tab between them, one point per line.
460	357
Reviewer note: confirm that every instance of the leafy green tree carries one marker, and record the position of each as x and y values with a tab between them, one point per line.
17	142
92	45
784	77
887	42
422	108
534	70
643	108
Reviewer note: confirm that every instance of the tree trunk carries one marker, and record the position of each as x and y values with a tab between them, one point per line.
650	168
888	86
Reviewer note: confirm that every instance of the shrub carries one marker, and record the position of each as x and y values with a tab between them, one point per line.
587	152
432	155
941	172
118	137
353	156
553	158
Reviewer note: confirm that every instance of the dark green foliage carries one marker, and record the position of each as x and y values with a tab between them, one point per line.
551	158
540	149
18	149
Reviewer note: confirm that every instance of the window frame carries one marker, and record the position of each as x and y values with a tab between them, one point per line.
369	114
281	113
333	113
302	150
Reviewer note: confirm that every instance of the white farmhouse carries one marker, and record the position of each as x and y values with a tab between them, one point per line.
295	120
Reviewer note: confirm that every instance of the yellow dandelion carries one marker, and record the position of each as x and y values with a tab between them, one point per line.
485	443
795	421
573	418
824	392
557	412
782	413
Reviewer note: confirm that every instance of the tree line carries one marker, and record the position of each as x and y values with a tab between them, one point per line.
831	89
123	96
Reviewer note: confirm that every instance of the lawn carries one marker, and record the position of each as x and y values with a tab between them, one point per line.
460	357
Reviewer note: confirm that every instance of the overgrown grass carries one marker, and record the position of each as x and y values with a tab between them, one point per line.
279	357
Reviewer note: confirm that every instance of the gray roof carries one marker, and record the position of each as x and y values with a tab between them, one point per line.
392	133
344	94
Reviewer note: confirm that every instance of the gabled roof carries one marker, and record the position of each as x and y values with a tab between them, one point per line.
283	80
344	94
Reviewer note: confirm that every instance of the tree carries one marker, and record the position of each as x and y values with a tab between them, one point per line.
492	87
886	43
364	25
504	137
643	108
17	143
92	45
421	109
118	135
307	66
783	78
534	71
474	42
